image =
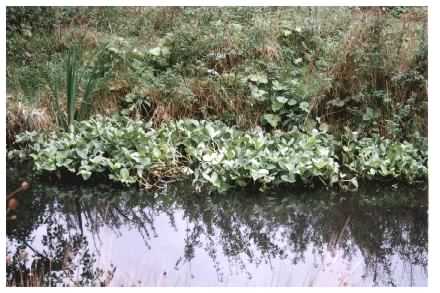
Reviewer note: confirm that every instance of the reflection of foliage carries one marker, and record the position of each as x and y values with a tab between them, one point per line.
248	226
251	229
34	206
386	234
64	261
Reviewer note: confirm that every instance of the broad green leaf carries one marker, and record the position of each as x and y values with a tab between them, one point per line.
208	157
156	152
85	174
272	119
304	106
155	51
292	102
258	94
276	106
124	173
256	174
82	153
211	131
298	61
288	178
287	33
277	86
281	99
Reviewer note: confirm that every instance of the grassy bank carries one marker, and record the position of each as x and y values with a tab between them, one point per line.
224	93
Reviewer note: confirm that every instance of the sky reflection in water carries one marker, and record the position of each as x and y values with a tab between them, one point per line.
97	235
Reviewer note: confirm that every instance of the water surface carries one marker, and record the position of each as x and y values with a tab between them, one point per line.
74	234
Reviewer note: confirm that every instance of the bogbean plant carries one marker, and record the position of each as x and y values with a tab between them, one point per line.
226	157
124	149
216	155
372	157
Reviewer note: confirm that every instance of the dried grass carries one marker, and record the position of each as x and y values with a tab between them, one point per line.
21	118
355	69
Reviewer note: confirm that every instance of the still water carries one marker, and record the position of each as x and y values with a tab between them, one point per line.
97	235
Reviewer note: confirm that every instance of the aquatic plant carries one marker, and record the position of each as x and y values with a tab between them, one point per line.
122	148
372	157
217	155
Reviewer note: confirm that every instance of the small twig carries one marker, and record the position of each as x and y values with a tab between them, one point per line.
36	251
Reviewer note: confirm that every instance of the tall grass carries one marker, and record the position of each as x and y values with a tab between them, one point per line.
72	81
72	97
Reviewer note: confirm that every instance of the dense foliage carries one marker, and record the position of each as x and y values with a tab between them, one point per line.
230	95
131	151
273	67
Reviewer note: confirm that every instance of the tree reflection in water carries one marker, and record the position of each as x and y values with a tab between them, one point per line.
382	227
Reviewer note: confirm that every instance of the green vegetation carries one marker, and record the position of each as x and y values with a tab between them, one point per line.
228	95
217	155
89	76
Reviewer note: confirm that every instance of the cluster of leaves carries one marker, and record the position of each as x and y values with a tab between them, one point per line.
31	32
372	157
26	19
122	148
284	97
226	157
217	155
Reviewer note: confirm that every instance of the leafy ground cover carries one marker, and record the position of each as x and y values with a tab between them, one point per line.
216	155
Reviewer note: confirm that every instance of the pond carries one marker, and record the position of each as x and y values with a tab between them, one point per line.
100	235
